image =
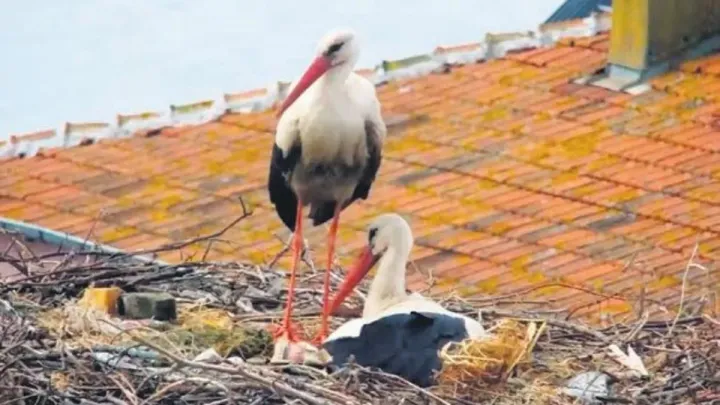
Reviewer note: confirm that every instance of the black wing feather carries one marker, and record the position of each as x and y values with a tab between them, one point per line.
281	195
406	345
374	148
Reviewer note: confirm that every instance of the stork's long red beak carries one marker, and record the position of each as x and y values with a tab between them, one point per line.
316	69
365	261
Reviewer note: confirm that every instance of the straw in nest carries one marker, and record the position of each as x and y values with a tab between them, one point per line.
490	359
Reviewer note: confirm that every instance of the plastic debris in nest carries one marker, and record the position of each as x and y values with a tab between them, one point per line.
302	352
590	387
85	322
491	359
91	321
101	299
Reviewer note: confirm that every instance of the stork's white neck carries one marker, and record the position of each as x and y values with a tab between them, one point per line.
388	286
334	78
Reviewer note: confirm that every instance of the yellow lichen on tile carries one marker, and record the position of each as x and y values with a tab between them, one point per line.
563	178
584	190
413	188
534	151
463	260
678	233
159	215
624	196
547	290
489	285
494	114
168	201
602	163
212	136
450	217
518	78
579	146
666	281
704	249
15	212
125	201
498	228
536	277
156	185
257	256
118	233
616	307
485	184
445	282
542	116
702	194
406	143
518	267
244	155
477	206
214	167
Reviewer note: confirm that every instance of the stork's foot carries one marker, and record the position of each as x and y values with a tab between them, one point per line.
285	331
289	349
319	339
301	352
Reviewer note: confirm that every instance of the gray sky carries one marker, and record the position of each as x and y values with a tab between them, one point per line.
86	60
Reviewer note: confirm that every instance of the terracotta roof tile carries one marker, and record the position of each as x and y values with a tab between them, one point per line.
512	177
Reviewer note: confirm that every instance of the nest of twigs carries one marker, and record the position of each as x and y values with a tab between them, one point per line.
53	352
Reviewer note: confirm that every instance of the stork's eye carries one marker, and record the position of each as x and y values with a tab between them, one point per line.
334	48
372	234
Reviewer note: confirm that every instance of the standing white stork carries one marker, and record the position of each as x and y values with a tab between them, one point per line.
398	333
327	151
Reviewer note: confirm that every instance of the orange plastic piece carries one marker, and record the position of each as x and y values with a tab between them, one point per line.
103	299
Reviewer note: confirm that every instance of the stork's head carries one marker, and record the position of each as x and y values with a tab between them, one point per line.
386	232
337	48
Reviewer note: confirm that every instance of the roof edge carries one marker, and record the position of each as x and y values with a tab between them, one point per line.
493	46
58	238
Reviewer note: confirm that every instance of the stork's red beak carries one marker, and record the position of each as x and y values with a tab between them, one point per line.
366	260
316	69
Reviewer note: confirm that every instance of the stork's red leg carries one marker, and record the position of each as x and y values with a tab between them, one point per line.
332	234
287	328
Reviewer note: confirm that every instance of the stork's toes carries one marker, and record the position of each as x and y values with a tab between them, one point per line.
319	339
299	352
285	331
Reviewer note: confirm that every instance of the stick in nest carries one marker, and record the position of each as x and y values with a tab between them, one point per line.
690	264
305	255
553	322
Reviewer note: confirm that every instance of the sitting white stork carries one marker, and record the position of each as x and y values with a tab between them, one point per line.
327	151
398	333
